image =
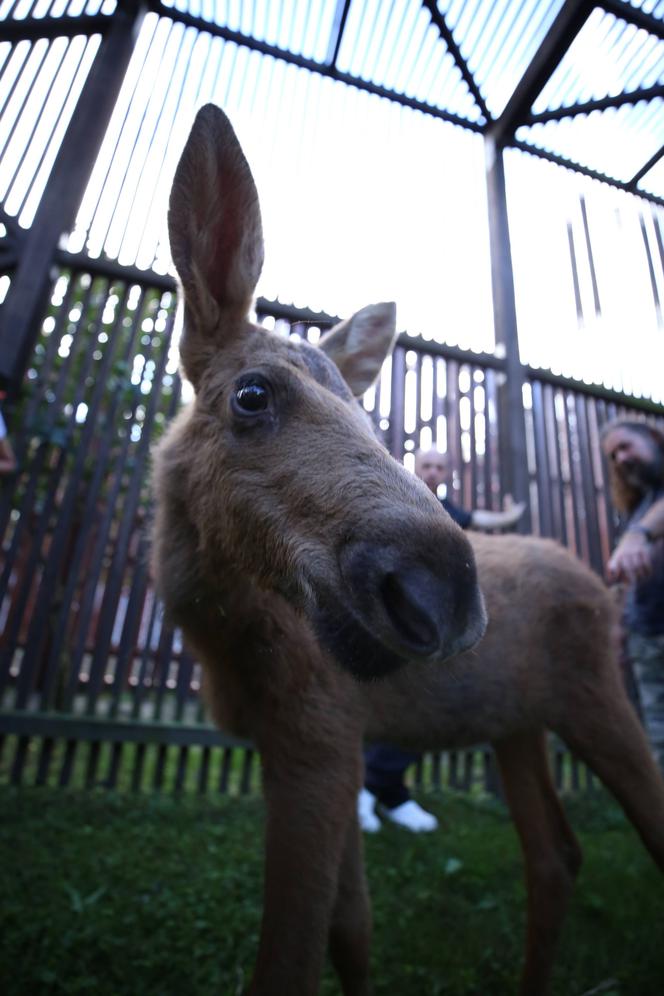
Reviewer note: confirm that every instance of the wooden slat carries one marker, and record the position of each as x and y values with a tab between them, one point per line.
89	728
146	649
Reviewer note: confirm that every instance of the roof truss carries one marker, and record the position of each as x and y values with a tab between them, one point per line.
502	129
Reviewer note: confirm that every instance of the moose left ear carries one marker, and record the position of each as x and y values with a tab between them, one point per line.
359	345
214	227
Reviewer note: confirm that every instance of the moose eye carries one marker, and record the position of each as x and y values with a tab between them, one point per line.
251	398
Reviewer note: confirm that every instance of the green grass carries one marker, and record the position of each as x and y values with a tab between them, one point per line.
111	894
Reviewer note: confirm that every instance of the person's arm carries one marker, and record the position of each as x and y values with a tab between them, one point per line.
7	457
484	518
632	559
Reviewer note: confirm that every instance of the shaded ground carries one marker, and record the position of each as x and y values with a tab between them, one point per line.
114	894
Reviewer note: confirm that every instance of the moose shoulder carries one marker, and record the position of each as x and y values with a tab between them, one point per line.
299	557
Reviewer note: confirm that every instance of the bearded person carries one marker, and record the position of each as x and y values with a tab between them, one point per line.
635	455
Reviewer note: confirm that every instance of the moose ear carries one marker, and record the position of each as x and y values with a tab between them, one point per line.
215	232
359	345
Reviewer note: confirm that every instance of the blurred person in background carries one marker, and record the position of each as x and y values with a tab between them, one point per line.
635	455
8	463
385	791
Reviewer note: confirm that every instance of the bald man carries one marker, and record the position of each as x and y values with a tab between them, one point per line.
385	766
433	468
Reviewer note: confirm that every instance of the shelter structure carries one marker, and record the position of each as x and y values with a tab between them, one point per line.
496	166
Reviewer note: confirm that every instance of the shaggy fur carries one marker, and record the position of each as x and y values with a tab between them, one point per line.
292	550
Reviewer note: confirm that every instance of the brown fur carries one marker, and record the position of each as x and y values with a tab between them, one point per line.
280	542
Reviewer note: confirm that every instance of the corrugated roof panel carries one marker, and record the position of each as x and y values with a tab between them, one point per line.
16	9
618	139
654	7
19	10
359	49
345	179
607	57
40	83
303	27
498	39
397	46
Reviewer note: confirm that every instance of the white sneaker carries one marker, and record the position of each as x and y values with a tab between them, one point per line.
411	816
366	812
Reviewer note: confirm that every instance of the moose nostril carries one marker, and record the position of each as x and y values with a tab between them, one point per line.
412	622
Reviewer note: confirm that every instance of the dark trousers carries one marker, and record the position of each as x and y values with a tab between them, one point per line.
385	768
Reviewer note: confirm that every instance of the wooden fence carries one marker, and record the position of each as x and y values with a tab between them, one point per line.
94	687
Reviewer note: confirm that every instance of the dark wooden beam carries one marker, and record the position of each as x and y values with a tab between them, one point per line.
512	427
631	97
27	297
82	263
594	174
633	15
594	391
98	730
11	243
312	65
291	313
571	18
54	27
454	50
645	169
79	262
337	32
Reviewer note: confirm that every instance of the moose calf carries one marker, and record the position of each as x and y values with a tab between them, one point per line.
295	588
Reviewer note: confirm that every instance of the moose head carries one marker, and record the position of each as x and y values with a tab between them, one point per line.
274	473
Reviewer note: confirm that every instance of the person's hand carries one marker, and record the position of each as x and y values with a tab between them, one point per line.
513	510
631	560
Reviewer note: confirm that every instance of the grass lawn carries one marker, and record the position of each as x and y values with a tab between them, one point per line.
126	895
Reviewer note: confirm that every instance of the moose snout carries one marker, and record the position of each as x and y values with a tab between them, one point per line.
401	594
417	609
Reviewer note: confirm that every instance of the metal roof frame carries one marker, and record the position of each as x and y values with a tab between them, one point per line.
518	112
502	129
38	249
571	18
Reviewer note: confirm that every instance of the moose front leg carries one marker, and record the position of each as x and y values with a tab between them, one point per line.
350	930
310	804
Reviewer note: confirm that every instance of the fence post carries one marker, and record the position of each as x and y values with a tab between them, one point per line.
512	426
26	299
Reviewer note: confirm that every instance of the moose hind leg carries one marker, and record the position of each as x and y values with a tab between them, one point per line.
350	929
551	852
605	732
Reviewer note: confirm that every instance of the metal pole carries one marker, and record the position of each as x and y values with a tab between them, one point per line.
27	296
512	426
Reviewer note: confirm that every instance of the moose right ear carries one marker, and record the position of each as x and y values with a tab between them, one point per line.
215	232
360	344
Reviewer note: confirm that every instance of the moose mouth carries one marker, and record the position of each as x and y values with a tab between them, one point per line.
371	645
351	644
